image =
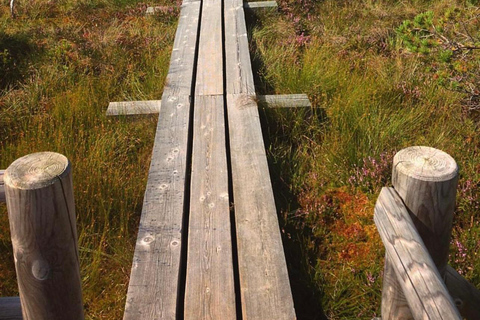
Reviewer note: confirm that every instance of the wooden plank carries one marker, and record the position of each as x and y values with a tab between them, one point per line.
153	292
126	108
285	100
153	106
260	5
264	283
10	308
464	294
239	75
416	272
2	186
210	292
210	56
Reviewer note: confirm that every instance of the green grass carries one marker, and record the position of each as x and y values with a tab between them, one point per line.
376	87
373	94
64	61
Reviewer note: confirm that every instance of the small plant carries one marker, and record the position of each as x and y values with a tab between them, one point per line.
415	34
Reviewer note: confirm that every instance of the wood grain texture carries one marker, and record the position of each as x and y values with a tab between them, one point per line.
265	287
41	212
238	73
210	292
153	291
426	180
2	186
464	294
210	56
415	271
10	308
285	100
133	107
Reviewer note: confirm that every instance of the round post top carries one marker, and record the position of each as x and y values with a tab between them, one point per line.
425	163
37	170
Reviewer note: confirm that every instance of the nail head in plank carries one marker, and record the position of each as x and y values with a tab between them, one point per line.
416	272
265	287
210	292
134	107
10	308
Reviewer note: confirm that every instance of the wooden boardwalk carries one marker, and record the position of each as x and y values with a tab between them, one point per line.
209	244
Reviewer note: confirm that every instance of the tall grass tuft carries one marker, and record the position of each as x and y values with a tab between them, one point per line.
372	95
61	64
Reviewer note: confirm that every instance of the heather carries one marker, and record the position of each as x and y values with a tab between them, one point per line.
381	76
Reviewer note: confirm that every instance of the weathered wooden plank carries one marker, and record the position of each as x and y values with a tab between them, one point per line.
153	106
153	292
260	5
264	283
464	294
285	100
210	56
2	186
210	292
416	272
239	74
134	107
10	308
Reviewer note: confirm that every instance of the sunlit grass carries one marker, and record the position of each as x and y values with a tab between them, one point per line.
371	97
66	61
63	61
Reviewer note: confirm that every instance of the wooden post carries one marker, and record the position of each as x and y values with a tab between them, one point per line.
39	194
426	179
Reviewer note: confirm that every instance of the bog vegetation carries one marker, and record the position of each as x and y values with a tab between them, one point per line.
381	75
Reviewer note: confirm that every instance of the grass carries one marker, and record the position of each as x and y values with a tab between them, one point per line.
380	75
64	61
375	90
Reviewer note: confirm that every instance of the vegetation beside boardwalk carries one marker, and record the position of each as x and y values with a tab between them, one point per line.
381	75
61	62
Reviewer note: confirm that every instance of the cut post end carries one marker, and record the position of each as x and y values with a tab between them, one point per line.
36	170
425	163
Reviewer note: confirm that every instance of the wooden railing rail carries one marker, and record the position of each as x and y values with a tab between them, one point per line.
414	219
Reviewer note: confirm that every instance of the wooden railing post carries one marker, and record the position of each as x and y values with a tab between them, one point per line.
426	179
39	195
